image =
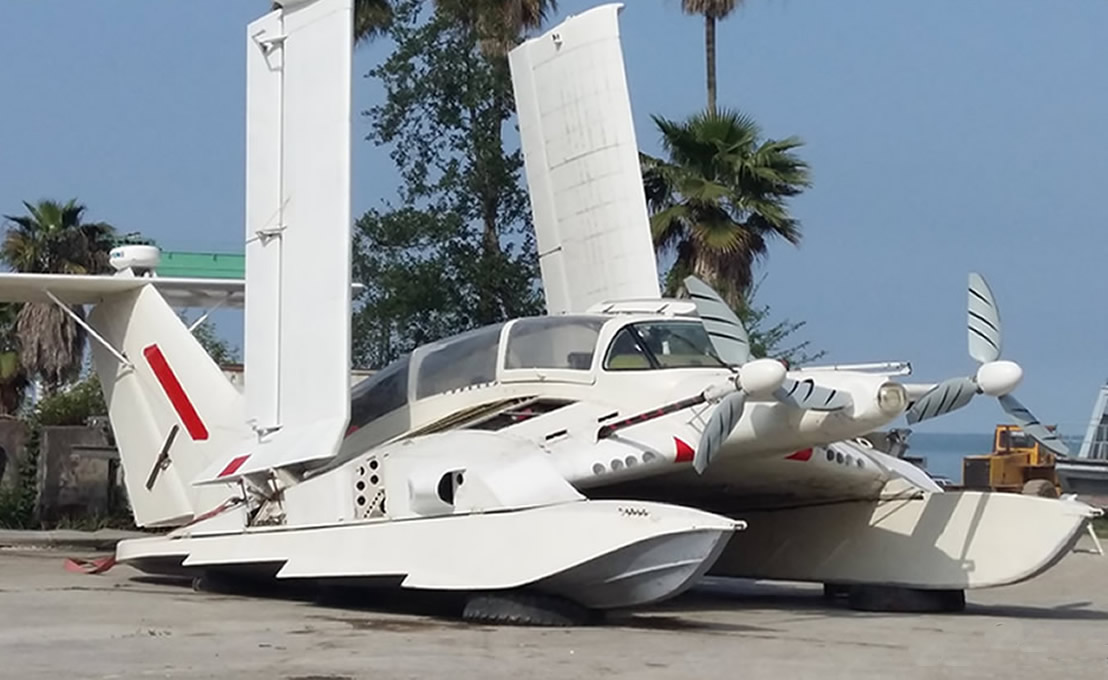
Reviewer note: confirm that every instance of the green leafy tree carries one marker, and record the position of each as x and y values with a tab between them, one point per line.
74	405
371	18
712	11
54	238
720	197
498	24
459	252
219	349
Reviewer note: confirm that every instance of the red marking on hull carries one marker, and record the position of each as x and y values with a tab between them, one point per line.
684	451
234	465
805	454
175	393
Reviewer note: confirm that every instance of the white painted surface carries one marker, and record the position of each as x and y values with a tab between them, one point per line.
142	413
582	164
297	334
459	552
264	214
951	540
80	289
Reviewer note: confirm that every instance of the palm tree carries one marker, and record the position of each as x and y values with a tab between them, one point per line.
13	377
712	10
499	23
721	197
371	18
52	238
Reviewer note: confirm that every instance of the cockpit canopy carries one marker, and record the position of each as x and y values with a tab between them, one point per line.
555	345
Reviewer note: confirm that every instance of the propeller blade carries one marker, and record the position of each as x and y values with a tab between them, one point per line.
807	394
983	321
1031	425
719	426
726	332
947	396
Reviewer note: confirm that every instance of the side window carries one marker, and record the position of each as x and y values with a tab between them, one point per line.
624	354
468	359
562	342
380	395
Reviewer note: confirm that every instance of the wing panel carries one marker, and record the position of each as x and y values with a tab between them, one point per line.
264	219
582	164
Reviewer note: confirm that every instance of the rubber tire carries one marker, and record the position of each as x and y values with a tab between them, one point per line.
905	600
834	591
525	609
216	582
1041	488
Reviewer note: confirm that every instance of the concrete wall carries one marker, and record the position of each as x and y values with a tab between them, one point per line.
12	437
78	474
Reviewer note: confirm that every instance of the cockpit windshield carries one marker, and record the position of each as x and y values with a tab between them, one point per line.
661	344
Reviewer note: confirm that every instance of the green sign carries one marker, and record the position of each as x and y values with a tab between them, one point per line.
202	265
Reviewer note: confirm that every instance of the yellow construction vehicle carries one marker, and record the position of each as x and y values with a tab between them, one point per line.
1017	463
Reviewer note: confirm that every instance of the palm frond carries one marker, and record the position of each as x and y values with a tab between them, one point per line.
721	194
717	9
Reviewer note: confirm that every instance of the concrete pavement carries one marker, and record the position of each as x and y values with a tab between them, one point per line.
119	625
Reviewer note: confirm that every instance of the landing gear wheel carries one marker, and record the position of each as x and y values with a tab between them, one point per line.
1040	487
216	582
905	600
525	609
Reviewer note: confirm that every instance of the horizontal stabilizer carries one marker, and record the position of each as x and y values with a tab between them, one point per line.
284	448
87	289
81	289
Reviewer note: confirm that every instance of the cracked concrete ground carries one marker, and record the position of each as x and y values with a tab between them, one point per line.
54	623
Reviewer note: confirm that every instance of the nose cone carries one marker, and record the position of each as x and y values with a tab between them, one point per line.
761	376
998	378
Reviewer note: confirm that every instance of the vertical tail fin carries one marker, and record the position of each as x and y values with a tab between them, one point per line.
172	409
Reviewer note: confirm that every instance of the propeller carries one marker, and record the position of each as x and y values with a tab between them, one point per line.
994	377
760	377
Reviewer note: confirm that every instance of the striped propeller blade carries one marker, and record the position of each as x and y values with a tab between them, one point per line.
983	321
726	332
720	424
807	394
947	396
1031	425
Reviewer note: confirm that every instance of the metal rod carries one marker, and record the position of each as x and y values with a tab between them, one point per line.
672	407
92	333
207	313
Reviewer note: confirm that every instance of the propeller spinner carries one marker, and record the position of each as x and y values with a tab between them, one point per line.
759	377
994	377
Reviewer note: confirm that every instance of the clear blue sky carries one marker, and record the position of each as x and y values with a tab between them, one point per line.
944	136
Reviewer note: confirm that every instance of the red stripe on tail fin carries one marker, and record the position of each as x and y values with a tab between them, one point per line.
176	394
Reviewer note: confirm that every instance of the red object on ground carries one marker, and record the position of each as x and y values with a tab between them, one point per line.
97	566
